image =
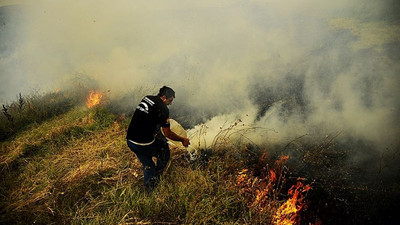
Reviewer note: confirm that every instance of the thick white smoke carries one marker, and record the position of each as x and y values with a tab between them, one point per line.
290	67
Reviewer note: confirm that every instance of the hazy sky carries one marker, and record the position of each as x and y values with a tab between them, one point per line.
289	65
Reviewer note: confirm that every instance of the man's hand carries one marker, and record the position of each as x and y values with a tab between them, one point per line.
185	142
171	135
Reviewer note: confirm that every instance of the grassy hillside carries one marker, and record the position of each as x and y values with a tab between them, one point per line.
72	166
76	168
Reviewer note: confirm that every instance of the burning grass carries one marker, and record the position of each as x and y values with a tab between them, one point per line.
80	171
94	98
75	168
264	190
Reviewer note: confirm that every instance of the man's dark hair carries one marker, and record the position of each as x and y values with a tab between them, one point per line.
167	91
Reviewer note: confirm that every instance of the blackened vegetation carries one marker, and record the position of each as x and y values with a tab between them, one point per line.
346	189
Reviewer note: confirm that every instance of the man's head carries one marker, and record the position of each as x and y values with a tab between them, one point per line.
166	94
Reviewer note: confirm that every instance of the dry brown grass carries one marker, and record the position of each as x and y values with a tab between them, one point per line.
45	132
77	169
68	163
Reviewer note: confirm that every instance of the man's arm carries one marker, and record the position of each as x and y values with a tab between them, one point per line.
171	135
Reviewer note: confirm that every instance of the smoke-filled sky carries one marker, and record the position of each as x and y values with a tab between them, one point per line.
292	66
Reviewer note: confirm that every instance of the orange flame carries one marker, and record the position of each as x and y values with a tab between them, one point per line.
282	160
262	191
288	213
93	99
272	176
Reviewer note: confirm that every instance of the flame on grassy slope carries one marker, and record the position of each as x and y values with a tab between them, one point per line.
93	99
262	192
288	212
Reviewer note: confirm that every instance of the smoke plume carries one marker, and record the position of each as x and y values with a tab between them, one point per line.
290	67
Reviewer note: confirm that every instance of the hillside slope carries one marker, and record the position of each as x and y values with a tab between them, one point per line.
75	168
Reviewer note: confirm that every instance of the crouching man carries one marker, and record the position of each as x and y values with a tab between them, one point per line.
145	139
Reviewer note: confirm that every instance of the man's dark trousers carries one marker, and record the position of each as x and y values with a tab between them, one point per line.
152	172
